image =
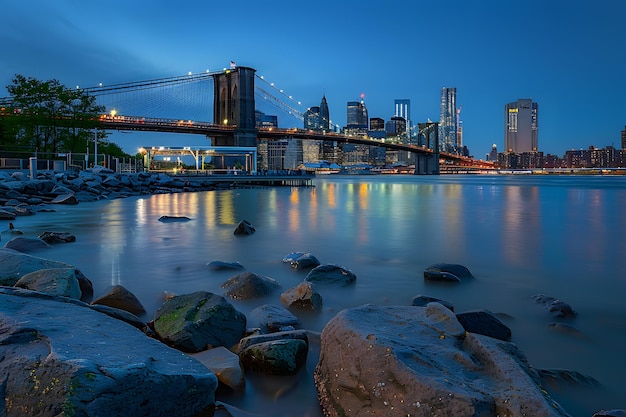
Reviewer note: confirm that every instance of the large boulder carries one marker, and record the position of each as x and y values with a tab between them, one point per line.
444	272
244	228
26	244
272	318
303	296
301	260
14	264
419	361
61	358
198	321
66	282
558	309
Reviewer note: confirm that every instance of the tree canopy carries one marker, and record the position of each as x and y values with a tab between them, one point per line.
46	116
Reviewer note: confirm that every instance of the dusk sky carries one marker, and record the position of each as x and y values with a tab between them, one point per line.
568	56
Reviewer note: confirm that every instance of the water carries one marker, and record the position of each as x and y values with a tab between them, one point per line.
562	236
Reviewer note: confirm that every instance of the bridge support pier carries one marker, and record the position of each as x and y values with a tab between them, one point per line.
427	164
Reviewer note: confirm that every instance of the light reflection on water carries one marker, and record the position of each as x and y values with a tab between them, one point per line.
562	236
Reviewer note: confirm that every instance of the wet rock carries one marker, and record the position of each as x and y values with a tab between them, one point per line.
57	237
171	219
14	264
55	281
225	365
421	361
244	228
248	341
610	413
330	274
219	265
54	361
194	322
443	272
303	296
248	285
26	244
484	322
423	300
556	307
69	199
301	260
276	357
6	215
567	329
119	297
271	318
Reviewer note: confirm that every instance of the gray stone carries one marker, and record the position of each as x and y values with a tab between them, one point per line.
62	359
14	264
301	260
248	341
484	322
556	307
69	199
54	281
423	300
444	272
57	237
271	318
170	219
198	321
26	244
419	361
330	274
276	357
248	285
219	265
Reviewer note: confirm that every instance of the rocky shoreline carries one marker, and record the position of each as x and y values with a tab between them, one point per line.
67	353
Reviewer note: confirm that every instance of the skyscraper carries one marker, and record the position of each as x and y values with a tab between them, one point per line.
448	120
403	109
324	115
521	126
357	119
624	138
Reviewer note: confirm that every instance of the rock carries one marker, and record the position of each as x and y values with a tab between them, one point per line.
120	298
303	296
57	237
219	266
6	215
225	365
330	274
65	199
610	413
248	285
197	321
276	357
271	318
423	300
484	322
301	260
419	361
62	358
170	219
244	228
122	315
567	329
54	281
556	307
248	341
558	377
443	272
14	264
26	244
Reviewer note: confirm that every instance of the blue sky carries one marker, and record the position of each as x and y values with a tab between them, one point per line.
569	56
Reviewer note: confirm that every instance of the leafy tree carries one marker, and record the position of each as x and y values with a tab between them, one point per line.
46	116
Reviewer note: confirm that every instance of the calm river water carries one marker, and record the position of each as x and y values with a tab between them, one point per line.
563	236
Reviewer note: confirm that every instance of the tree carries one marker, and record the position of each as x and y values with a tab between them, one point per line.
46	116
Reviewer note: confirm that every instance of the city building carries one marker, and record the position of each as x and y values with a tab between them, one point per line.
521	126
624	138
312	119
324	115
493	155
357	119
448	120
396	128
403	109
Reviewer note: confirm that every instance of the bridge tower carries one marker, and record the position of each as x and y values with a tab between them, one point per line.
428	135
234	105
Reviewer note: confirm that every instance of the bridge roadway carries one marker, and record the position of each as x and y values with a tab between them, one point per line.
271	133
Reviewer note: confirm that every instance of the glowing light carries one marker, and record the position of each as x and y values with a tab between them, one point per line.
113	112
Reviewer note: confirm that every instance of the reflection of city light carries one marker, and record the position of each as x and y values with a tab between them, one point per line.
363	188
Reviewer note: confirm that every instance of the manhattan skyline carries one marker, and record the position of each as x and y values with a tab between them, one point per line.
566	56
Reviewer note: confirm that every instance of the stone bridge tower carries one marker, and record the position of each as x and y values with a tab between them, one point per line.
234	105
